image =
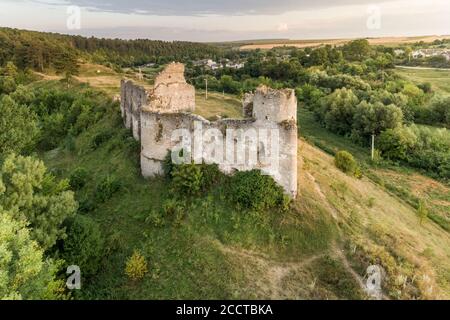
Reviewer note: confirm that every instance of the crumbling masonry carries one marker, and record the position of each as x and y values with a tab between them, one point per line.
154	115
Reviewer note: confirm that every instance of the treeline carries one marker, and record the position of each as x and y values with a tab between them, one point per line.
40	51
142	51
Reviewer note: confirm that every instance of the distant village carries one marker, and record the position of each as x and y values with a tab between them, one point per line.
213	65
426	53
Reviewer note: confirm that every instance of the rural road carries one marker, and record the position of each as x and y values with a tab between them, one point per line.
422	68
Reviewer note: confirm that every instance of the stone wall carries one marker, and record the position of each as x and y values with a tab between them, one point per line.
267	112
132	99
171	92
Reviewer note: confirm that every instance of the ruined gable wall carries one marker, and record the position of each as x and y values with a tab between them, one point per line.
173	97
171	92
266	109
173	72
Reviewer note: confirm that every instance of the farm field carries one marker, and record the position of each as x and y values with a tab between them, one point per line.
270	44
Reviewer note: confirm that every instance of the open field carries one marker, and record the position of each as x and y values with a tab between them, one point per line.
225	106
99	77
105	79
269	44
439	79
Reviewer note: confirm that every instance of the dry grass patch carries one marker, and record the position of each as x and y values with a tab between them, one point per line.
224	106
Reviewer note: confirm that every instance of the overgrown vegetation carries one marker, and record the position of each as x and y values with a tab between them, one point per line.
200	234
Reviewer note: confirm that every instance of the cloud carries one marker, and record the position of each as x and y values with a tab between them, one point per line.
210	7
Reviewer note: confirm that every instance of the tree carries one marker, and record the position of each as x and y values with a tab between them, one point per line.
10	70
440	110
338	110
18	127
35	196
67	64
229	85
24	272
319	57
357	50
396	143
84	245
7	85
374	118
414	93
408	52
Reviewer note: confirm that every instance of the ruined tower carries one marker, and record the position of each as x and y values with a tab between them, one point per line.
270	118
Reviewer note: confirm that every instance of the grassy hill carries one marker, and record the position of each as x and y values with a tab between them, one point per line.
319	249
439	79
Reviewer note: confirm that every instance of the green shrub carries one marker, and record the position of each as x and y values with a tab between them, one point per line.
155	218
345	162
19	127
253	190
174	210
86	205
187	179
395	143
69	143
84	245
422	211
168	165
106	188
78	178
211	175
101	138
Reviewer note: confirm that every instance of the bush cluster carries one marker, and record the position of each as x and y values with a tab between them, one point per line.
84	245
107	188
255	191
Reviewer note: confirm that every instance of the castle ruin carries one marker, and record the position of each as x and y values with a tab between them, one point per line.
155	114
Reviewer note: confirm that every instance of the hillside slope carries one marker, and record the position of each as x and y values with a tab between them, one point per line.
320	249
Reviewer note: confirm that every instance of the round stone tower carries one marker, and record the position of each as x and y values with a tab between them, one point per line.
275	105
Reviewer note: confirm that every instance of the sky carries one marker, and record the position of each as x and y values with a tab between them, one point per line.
229	20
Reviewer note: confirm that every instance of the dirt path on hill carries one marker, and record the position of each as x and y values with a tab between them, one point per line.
271	273
337	251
